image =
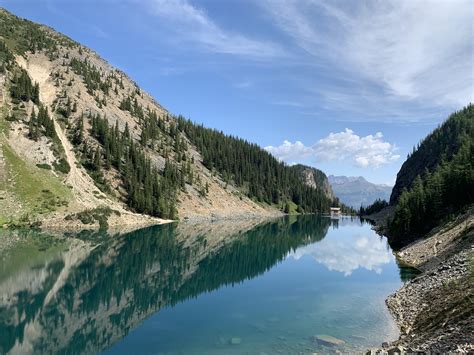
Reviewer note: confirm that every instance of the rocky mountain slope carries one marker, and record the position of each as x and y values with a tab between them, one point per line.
356	191
314	178
82	143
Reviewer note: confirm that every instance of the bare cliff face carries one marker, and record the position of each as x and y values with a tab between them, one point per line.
314	178
76	87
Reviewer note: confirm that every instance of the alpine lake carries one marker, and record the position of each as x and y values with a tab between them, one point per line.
292	285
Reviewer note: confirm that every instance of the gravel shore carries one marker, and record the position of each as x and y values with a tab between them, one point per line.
435	311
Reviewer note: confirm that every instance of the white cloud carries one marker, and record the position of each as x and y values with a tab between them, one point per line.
290	152
390	53
192	24
346	253
368	151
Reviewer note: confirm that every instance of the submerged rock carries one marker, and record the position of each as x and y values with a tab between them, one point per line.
235	341
221	341
327	340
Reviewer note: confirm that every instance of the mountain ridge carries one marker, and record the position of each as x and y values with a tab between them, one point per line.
356	190
85	125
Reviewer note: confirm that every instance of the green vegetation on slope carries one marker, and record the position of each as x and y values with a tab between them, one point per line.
442	144
23	91
441	191
375	207
22	88
36	190
253	169
23	35
145	187
148	190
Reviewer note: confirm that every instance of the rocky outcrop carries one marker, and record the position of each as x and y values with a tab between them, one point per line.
435	311
314	178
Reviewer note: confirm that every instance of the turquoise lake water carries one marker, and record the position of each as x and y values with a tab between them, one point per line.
217	288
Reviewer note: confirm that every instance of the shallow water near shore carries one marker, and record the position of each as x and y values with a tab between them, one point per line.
282	286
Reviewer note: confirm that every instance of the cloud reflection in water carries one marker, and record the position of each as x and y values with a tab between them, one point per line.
348	252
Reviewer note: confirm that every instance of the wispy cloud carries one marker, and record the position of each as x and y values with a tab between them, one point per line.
394	53
369	151
193	25
99	32
243	84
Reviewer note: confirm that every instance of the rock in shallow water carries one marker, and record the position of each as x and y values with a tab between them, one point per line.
327	340
235	341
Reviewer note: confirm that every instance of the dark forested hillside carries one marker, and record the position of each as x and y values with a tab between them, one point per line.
437	180
442	144
253	169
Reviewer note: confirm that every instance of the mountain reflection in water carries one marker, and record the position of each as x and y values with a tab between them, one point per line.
83	293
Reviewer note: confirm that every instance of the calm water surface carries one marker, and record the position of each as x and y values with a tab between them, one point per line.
218	288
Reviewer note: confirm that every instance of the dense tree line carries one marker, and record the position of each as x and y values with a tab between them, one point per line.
148	190
253	169
22	88
6	58
24	35
438	194
439	145
91	75
375	207
41	124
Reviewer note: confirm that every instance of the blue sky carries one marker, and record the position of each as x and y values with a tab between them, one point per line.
346	86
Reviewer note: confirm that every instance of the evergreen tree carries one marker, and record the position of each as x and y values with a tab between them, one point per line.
441	191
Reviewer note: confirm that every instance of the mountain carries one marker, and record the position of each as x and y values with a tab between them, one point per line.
430	221
314	178
439	146
81	143
356	191
436	182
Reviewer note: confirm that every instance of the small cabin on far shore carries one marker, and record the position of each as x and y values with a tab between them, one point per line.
335	211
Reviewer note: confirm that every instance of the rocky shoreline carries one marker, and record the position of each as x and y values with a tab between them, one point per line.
435	310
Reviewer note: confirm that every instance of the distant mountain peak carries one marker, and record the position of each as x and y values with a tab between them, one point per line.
356	190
